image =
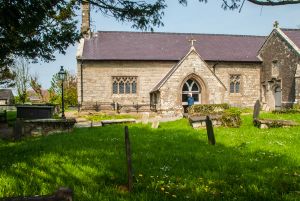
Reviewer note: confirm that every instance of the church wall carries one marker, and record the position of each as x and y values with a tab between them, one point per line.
192	66
279	67
97	80
249	78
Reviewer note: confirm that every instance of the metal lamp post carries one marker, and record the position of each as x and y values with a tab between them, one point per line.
62	76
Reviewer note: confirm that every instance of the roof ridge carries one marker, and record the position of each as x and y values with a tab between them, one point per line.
178	33
290	29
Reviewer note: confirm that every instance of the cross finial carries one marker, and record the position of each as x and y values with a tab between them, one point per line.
276	24
192	41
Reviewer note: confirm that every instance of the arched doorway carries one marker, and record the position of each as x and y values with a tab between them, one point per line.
277	97
191	86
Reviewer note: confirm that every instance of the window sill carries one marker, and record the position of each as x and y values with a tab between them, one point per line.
235	94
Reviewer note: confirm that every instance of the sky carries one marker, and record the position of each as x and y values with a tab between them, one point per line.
195	18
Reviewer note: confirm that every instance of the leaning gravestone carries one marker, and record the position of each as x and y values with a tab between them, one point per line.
256	110
210	131
155	123
145	118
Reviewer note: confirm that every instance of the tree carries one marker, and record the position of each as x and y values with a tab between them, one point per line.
22	78
70	90
37	87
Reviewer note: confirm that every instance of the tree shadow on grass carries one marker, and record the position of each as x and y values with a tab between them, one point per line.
169	163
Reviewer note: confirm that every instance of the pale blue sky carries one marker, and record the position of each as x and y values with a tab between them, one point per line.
195	18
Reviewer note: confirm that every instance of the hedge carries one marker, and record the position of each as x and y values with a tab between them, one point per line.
205	109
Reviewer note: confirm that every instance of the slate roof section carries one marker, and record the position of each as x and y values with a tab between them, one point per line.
170	46
294	35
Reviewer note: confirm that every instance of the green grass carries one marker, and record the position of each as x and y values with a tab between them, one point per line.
173	162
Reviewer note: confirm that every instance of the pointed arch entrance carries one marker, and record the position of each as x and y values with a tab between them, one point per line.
191	86
195	85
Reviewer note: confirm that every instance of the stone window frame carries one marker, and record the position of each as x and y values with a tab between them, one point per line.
275	68
124	85
235	80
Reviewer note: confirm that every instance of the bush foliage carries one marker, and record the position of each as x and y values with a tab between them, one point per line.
205	109
231	117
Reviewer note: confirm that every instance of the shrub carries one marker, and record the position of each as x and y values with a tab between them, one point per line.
231	117
206	109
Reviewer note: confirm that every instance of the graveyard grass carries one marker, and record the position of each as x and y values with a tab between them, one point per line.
173	162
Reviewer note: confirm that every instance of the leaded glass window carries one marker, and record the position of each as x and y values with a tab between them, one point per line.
124	85
127	87
115	87
134	87
235	83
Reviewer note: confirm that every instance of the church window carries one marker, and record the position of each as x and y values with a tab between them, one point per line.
134	87
124	85
235	83
121	87
191	86
127	87
115	87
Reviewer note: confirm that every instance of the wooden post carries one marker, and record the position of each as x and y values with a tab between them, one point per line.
210	131
128	158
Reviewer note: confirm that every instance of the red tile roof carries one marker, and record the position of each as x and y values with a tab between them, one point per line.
294	35
170	46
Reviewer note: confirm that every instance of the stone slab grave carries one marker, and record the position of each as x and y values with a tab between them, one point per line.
155	123
269	123
117	121
200	121
145	118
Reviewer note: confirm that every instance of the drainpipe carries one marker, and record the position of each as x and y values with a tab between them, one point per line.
81	81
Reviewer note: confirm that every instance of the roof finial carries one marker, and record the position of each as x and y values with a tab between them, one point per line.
192	40
276	24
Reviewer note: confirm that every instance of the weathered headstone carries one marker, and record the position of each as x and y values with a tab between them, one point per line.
18	129
155	123
256	110
145	118
210	131
128	157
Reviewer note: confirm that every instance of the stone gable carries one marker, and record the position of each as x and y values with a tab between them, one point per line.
279	68
192	66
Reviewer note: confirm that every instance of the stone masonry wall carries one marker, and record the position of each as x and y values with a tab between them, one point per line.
280	63
97	80
250	82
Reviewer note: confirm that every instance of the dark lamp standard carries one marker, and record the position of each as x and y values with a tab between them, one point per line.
62	77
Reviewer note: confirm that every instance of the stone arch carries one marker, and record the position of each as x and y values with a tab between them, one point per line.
204	92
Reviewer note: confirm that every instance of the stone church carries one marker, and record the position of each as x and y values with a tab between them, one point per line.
156	71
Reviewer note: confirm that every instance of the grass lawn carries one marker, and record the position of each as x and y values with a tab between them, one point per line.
173	162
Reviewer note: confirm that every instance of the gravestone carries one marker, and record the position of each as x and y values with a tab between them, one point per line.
128	157
155	123
256	110
145	118
18	129
210	131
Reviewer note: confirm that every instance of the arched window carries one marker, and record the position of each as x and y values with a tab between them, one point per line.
121	87
235	83
115	87
124	85
191	86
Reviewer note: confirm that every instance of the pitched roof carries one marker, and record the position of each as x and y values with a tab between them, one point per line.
170	46
175	67
6	94
294	35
